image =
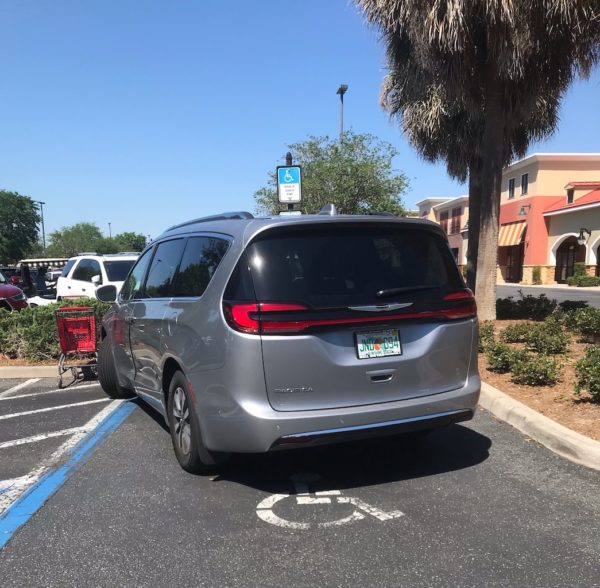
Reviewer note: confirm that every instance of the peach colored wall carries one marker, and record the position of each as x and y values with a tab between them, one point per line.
549	178
507	174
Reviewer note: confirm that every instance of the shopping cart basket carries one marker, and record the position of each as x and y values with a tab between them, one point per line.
77	336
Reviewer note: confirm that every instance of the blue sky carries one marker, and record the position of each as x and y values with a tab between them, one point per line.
144	113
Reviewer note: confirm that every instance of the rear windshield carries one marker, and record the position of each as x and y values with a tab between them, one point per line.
117	270
325	267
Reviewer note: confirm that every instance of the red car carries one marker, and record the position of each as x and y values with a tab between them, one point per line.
11	297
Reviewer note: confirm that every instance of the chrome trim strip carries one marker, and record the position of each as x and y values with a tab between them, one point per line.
375	425
381	307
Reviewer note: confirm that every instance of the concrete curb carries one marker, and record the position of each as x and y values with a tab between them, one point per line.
566	443
25	372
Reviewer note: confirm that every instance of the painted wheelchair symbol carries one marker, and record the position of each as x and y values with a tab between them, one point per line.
265	512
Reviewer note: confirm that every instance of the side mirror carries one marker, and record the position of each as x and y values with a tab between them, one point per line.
106	293
96	279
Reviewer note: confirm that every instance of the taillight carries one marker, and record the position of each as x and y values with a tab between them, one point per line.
463	305
278	318
254	318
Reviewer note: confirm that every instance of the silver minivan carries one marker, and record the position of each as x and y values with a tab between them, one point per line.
258	334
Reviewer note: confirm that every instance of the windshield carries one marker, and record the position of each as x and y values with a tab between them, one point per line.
351	265
117	270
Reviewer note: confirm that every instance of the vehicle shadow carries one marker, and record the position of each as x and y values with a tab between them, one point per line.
361	463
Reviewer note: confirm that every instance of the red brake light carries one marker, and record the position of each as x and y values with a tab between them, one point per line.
247	317
466	310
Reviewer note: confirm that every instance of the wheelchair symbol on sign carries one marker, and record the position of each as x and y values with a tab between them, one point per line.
265	512
288	177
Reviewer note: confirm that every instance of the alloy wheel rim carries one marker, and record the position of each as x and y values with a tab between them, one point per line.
181	416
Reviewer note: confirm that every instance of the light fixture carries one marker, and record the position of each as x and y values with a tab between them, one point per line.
522	211
581	239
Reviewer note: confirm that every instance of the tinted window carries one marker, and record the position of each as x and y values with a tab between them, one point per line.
67	268
132	288
117	270
338	267
163	267
86	270
198	264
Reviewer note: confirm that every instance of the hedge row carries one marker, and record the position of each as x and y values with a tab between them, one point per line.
32	334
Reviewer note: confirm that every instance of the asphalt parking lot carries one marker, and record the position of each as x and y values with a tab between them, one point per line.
474	504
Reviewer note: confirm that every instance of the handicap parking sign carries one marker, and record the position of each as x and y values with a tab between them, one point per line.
289	184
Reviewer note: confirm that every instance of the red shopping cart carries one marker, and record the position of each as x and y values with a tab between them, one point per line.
77	336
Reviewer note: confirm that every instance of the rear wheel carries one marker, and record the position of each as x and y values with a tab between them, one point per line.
107	374
189	448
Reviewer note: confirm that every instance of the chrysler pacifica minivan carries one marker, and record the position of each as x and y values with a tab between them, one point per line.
259	334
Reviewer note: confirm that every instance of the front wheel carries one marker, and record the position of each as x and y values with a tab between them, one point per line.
189	448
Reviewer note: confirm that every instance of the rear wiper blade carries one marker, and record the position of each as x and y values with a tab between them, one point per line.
403	290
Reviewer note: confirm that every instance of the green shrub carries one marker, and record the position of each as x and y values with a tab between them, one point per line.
486	335
501	357
583	281
585	321
568	305
515	333
32	335
547	337
538	370
528	307
536	275
587	370
579	268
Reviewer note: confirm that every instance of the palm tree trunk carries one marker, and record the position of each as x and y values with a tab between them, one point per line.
491	176
474	221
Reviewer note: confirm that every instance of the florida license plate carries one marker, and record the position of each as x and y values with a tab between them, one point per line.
378	344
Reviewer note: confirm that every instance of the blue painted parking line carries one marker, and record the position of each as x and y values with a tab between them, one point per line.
28	504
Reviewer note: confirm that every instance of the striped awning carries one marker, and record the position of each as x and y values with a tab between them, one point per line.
511	234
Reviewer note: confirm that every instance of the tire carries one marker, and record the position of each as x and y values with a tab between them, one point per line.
189	448
107	374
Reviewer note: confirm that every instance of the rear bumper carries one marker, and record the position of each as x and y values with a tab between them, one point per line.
257	428
372	430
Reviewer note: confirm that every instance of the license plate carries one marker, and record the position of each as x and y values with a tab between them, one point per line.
378	344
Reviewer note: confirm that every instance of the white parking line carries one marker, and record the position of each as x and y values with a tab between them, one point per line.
19	387
74	389
50	408
42	437
13	489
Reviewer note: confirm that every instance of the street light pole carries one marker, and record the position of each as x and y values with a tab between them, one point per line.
43	228
341	91
109	232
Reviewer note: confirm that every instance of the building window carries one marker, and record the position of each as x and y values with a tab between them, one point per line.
444	221
570	195
524	184
455	224
511	188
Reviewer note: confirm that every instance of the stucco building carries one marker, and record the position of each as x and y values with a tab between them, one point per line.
549	217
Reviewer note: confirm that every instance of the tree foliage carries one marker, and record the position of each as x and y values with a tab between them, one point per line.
18	226
87	237
356	175
78	238
474	83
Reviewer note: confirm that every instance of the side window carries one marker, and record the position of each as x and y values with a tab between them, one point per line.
86	270
163	268
132	286
67	268
200	259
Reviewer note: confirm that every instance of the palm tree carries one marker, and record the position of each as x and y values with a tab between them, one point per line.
474	83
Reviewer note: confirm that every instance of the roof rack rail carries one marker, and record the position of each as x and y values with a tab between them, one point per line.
224	216
381	214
